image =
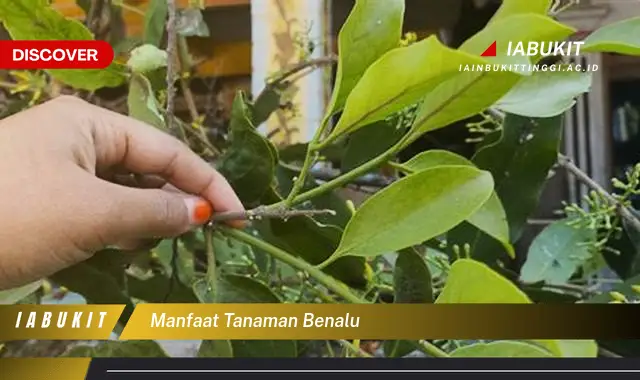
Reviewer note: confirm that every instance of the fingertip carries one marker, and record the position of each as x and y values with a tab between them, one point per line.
199	209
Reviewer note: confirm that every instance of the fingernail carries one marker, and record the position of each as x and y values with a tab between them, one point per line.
200	210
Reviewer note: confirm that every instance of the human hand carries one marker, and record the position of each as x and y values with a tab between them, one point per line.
59	203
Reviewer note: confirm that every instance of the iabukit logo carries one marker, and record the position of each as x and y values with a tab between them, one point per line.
534	49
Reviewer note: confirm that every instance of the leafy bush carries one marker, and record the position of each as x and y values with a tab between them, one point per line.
443	230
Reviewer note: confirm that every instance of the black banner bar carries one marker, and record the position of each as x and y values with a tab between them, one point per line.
318	368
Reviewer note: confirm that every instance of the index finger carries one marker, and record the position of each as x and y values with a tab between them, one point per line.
120	140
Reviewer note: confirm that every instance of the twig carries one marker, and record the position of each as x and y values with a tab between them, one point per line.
172	36
431	349
623	210
263	212
301	66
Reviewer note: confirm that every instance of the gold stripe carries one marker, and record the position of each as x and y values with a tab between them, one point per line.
45	368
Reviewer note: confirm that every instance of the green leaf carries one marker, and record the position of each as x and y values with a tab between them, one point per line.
367	143
624	254
215	349
515	7
520	163
490	218
372	28
267	102
520	27
155	19
471	281
411	278
415	209
557	253
622	37
545	93
147	58
469	93
191	23
238	289
416	69
501	349
37	20
12	296
127	349
250	161
142	102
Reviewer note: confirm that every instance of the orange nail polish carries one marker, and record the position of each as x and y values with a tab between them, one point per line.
201	212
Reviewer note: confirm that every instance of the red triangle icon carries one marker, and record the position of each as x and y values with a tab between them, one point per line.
491	50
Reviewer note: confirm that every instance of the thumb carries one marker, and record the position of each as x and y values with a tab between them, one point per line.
155	213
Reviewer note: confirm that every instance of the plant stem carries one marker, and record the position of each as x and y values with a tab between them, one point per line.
323	278
212	274
129	8
624	212
431	349
342	180
301	66
264	212
172	61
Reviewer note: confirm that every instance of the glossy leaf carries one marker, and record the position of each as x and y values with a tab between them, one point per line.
215	349
411	278
490	218
142	102
520	27
515	7
415	209
155	20
249	162
471	281
500	349
127	349
372	28
37	20
416	70
147	58
622	37
545	93
557	253
469	93
14	295
520	163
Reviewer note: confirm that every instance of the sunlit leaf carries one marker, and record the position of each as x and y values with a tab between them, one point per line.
372	28
501	349
415	209
490	218
545	93
622	37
